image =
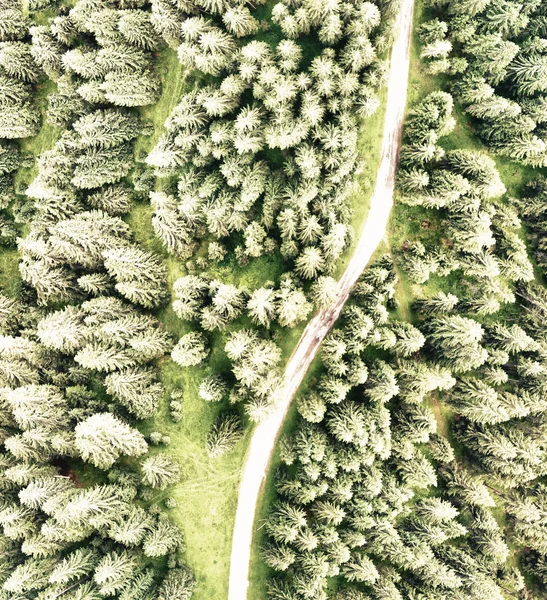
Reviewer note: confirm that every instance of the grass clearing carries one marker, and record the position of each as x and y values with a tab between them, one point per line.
9	272
173	82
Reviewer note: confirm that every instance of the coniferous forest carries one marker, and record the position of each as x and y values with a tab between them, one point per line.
182	184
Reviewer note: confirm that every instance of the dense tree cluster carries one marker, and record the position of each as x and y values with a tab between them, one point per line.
365	446
494	51
371	490
78	350
266	150
215	304
481	238
19	117
481	316
532	207
53	413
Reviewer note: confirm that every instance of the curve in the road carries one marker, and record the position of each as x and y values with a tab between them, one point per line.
267	431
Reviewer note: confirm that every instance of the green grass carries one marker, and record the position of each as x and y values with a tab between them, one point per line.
31	148
207	493
369	148
44	140
174	82
9	272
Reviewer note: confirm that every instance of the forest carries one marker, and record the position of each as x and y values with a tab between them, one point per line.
182	183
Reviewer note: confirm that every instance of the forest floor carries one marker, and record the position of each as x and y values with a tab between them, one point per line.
266	433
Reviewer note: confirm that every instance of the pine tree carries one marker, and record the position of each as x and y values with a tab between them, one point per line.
213	388
261	306
190	350
190	294
39	491
102	438
225	432
77	564
324	291
17	61
360	568
14	24
136	389
113	571
239	21
96	167
107	128
227	300
130	527
310	262
278	556
292	305
142	586
159	471
140	275
163	538
131	89
439	303
178	583
64	330
312	407
137	29
29	576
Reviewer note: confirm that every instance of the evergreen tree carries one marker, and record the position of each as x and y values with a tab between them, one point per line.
178	583
160	471
213	388
190	350
225	432
164	537
102	438
113	571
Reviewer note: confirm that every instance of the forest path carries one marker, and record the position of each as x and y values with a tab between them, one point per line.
267	431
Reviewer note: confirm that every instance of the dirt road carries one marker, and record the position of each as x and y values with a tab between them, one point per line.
266	433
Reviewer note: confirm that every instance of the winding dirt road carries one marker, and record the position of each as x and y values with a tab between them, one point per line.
267	431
